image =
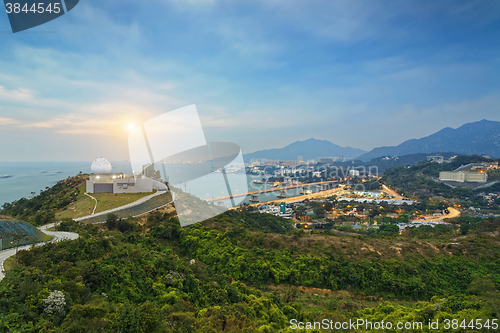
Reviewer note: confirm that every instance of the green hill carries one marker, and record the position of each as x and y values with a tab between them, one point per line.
247	272
420	182
41	209
64	200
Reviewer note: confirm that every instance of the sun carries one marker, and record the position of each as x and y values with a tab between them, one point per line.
131	127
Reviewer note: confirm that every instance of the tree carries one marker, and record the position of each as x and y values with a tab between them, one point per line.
485	287
55	303
391	228
111	221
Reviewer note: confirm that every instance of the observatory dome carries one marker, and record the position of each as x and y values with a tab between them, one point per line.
101	166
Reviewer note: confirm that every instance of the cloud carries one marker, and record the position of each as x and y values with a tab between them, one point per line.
15	95
262	73
106	120
8	121
255	119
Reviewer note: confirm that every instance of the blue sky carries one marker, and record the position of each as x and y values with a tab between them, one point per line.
262	73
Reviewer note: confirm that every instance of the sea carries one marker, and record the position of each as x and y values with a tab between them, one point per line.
24	179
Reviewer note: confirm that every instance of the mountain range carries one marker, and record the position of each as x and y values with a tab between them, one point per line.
308	149
477	138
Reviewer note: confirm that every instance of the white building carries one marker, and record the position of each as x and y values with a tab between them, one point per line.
477	177
452	176
354	173
119	183
462	176
103	181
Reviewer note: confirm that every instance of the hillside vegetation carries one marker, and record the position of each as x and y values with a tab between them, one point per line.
250	272
420	182
138	275
64	200
41	208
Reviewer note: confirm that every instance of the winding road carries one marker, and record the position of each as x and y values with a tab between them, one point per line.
57	236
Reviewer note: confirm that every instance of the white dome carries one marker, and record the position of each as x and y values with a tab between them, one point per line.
101	166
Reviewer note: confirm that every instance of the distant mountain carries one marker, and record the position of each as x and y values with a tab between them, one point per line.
478	138
308	149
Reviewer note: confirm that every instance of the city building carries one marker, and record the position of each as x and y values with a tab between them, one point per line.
270	162
476	177
435	158
453	176
289	163
354	173
493	165
326	160
463	176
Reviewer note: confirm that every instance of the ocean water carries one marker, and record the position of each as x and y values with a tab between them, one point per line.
212	185
20	179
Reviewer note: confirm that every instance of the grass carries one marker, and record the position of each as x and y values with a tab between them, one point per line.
107	201
9	263
45	237
320	300
84	204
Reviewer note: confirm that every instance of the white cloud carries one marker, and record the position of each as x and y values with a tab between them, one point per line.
15	95
8	121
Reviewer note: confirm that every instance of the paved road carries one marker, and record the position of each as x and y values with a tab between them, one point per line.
390	191
57	237
453	213
62	235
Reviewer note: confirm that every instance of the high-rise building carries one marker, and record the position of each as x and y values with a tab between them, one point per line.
326	160
300	158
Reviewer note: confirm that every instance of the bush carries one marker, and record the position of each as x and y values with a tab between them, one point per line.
55	303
